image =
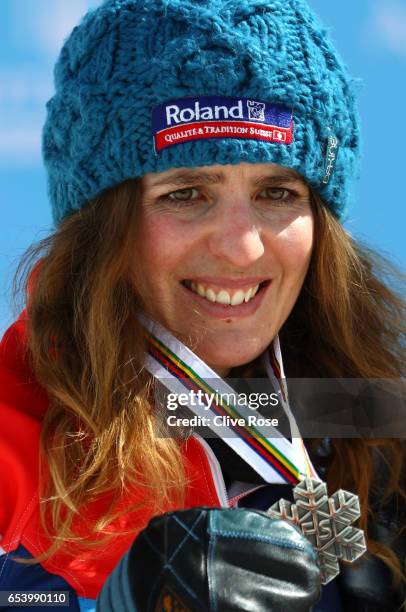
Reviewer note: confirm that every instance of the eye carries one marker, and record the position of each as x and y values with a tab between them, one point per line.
181	195
278	194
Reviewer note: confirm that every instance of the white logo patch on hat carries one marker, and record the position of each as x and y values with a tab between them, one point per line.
194	118
331	157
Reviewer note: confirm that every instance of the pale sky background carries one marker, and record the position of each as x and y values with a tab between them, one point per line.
370	34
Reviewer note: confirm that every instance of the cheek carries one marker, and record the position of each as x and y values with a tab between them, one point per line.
161	248
294	246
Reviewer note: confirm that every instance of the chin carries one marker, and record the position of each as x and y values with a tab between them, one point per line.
223	358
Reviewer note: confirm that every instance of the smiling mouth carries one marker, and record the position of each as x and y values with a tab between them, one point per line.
226	297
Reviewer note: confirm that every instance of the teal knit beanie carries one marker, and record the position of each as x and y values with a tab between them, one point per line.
148	85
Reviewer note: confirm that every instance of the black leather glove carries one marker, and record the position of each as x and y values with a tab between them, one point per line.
213	559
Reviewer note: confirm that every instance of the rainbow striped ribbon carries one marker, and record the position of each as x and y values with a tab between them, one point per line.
264	448
274	367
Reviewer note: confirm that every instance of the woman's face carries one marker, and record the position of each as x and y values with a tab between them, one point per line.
222	253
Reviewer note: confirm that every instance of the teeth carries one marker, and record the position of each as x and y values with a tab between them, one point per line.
247	295
238	298
200	290
223	296
210	295
250	293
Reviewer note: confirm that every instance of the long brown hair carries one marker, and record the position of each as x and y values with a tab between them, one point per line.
350	321
86	349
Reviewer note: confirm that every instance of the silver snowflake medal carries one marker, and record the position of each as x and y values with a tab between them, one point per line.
326	522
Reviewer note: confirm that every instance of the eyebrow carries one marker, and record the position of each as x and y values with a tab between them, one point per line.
212	178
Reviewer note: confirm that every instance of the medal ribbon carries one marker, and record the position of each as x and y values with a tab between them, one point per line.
264	448
272	359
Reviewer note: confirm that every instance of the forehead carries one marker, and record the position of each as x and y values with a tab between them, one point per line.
220	174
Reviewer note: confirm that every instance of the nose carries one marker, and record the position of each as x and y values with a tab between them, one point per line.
236	235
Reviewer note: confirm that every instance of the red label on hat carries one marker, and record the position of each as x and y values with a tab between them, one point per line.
178	121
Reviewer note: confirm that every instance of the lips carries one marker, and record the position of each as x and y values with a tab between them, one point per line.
220	293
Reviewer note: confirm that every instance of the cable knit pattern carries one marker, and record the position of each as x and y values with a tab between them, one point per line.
128	56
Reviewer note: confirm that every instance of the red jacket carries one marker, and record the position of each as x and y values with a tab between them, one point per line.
22	405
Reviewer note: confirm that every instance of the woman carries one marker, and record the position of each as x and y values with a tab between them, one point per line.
199	158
